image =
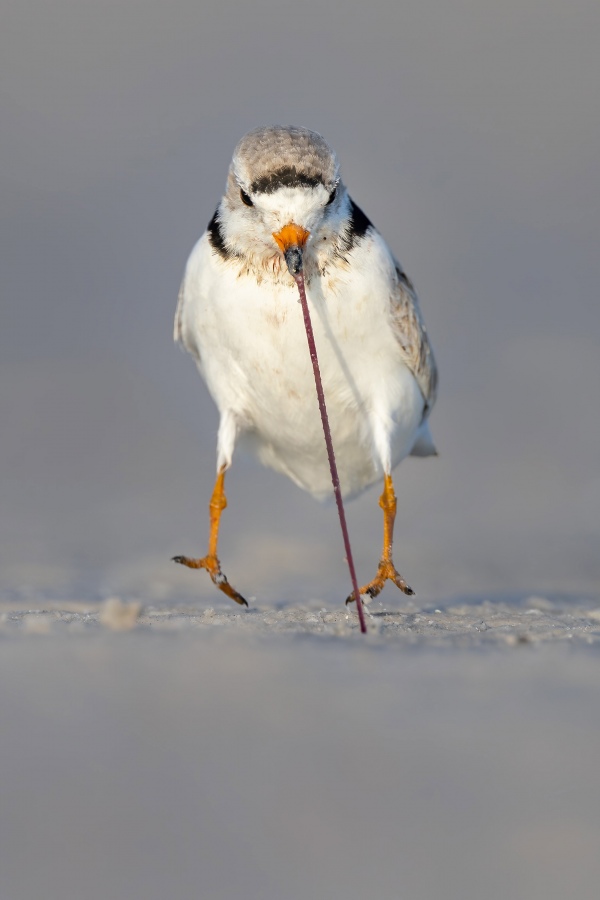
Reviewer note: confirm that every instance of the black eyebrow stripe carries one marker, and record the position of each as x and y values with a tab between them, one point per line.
287	176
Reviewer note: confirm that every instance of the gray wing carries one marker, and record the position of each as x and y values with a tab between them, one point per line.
411	334
182	334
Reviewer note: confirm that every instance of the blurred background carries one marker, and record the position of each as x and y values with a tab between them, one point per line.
468	132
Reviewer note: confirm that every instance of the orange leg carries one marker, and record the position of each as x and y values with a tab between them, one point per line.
386	570
210	562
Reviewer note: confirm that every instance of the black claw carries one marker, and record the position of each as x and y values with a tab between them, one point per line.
177	559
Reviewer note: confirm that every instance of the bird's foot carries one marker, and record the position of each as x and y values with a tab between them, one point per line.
385	572
213	567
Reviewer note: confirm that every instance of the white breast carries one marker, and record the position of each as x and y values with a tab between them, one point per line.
250	344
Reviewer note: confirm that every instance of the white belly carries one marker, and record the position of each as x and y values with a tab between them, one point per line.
252	351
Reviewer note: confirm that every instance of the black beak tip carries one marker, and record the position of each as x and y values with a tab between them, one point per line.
293	259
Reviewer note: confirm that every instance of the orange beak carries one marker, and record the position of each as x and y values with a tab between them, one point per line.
291	236
291	240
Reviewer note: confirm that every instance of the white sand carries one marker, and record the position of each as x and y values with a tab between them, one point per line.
473	623
184	752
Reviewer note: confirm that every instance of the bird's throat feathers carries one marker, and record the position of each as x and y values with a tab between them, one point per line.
243	238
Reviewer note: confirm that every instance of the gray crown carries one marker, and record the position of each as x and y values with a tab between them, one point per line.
277	156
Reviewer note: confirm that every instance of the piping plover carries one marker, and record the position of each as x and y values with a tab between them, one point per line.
286	208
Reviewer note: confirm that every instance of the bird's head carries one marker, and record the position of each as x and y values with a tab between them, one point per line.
284	198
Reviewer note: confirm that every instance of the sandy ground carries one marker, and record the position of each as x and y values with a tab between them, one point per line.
173	751
474	623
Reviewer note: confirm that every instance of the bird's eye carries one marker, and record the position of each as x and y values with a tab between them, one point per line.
245	198
332	196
